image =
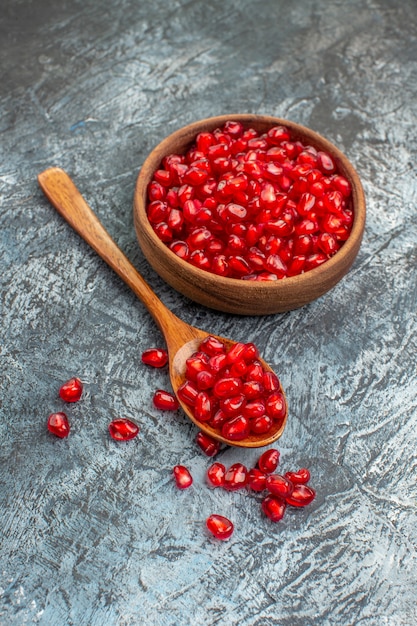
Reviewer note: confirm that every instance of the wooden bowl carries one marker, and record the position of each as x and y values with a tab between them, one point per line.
233	295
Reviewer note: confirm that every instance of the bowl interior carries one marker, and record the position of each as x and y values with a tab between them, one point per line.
229	294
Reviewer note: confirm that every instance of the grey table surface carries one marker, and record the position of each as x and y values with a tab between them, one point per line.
94	532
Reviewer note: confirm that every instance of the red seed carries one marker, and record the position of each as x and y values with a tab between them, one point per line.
123	429
215	475
187	392
260	425
302	495
254	409
182	476
236	428
227	387
203	408
274	508
271	381
279	486
212	346
71	390
236	477
207	444
268	461
204	380
165	401
300	477
58	425
256	479
234	405
155	357
219	526
276	406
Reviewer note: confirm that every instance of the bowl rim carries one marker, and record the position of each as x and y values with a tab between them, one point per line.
189	132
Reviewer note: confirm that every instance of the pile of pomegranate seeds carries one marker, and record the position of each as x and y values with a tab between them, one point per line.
231	391
289	489
251	206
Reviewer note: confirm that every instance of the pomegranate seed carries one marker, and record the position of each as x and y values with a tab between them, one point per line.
203	408
219	526
301	495
71	390
254	409
252	389
207	444
188	392
204	380
236	428
165	401
157	211
227	387
271	381
216	474
195	364
58	425
180	248
212	346
256	480
236	477
279	485
261	425
255	372
155	357
274	508
182	477
268	461
234	405
276	406
217	362
156	191
123	429
218	419
300	477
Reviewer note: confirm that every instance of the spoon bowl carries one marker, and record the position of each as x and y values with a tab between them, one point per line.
182	340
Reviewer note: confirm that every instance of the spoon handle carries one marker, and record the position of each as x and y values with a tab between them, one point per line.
68	201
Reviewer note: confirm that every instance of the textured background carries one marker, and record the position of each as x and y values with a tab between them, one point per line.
94	532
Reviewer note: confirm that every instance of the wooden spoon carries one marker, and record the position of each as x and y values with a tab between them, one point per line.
181	338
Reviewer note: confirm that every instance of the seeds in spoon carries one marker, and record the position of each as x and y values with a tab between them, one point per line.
231	391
